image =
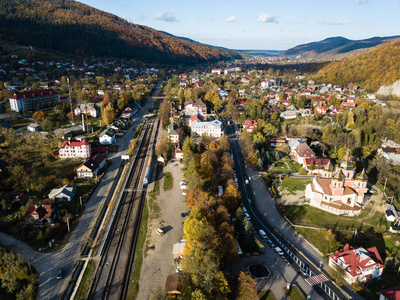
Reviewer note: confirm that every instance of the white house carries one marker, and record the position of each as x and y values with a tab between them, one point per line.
34	127
67	193
359	265
213	128
107	137
75	149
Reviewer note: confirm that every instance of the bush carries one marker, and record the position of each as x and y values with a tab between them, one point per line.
303	171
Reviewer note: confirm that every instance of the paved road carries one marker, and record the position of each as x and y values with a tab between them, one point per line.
265	216
48	264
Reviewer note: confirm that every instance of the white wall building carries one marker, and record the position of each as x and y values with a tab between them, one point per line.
213	128
75	149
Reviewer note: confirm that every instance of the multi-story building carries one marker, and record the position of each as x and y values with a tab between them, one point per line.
195	107
34	100
75	149
213	128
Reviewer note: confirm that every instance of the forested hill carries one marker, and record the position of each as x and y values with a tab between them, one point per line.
71	27
372	69
337	47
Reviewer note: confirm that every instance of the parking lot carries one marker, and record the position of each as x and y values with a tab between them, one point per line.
166	214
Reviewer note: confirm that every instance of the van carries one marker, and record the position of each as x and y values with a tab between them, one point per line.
279	251
160	231
262	234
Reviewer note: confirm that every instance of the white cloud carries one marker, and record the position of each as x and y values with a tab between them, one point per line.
140	18
267	18
361	1
166	17
338	22
231	19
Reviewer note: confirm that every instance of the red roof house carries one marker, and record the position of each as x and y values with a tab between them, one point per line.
360	265
249	125
390	294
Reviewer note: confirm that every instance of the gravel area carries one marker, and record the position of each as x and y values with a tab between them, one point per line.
165	213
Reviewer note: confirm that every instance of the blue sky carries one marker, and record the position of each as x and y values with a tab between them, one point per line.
263	25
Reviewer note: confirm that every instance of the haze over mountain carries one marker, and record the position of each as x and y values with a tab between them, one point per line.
70	27
336	47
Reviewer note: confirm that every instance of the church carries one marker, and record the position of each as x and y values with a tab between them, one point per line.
339	190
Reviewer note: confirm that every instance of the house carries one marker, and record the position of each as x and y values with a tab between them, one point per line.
318	163
249	125
216	71
161	159
39	215
18	200
321	109
339	190
34	127
213	128
91	167
195	118
289	114
93	109
172	285
172	133
302	152
75	149
178	153
33	100
392	293
107	137
278	142
65	193
360	265
195	107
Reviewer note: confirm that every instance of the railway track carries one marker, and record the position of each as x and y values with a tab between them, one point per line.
112	277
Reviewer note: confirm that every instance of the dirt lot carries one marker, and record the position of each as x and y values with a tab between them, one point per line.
165	213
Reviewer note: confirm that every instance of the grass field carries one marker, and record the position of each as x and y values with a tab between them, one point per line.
295	293
292	185
310	216
266	295
168	181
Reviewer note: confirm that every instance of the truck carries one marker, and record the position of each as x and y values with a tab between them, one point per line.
260	247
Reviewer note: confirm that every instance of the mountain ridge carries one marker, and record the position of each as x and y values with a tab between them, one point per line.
336	47
73	27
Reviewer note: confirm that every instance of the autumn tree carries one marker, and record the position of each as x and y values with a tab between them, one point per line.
247	287
108	114
231	197
39	116
164	112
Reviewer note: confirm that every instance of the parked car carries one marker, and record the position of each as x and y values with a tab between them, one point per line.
244	209
247	216
249	200
160	231
304	270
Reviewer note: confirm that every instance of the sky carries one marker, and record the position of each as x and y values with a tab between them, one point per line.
260	25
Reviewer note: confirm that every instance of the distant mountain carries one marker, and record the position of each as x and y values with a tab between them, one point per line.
336	47
70	27
371	70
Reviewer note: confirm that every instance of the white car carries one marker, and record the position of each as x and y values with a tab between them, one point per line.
247	216
279	251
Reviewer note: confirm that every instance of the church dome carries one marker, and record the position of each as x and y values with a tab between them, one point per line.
338	176
328	167
347	162
362	176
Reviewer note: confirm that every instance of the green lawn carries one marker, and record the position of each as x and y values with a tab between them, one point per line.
168	181
295	293
292	185
266	295
311	216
